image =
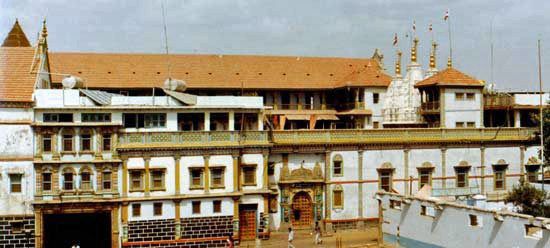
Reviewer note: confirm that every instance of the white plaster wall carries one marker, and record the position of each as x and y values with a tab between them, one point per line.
472	156
16	141
56	97
464	110
253	199
207	207
16	203
531	98
375	108
512	156
350	166
147	211
351	202
186	163
416	158
258	160
166	163
227	162
374	159
16	114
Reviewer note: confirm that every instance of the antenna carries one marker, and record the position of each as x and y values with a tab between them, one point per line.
541	119
492	53
169	65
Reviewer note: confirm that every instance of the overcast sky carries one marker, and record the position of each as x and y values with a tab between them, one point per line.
339	28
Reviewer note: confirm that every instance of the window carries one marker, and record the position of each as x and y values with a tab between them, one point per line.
217	206
500	178
473	220
459	96
15	183
147	120
395	204
425	176
249	175
157	208
385	180
375	98
470	124
57	117
459	124
427	211
337	163
532	172
47	143
196	207
157	179
136	209
338	197
85	142
106	141
106	179
96	117
196	178
86	181
533	231
462	177
46	181
375	124
68	142
136	180
16	227
470	96
68	180
217	174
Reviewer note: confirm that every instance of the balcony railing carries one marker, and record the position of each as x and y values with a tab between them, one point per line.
192	139
430	107
498	101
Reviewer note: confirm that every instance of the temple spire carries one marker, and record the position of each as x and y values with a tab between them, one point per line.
433	56
16	37
413	50
398	64
42	40
449	63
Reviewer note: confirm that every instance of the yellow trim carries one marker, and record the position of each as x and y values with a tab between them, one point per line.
147	176
177	160
206	174
236	183
266	165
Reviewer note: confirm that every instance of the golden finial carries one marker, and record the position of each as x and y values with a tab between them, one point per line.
449	63
44	29
432	55
398	63
413	50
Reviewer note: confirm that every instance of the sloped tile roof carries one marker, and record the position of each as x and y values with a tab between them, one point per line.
16	37
450	77
16	81
111	70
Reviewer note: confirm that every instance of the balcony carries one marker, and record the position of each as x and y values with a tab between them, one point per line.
498	101
429	108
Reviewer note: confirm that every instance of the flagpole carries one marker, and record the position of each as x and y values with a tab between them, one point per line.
450	40
541	118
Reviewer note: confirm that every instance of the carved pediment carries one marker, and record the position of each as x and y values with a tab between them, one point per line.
302	174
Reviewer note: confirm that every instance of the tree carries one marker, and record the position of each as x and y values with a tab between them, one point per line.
529	199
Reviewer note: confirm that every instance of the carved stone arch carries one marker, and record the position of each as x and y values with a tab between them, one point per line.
463	163
46	168
86	168
337	158
426	164
386	165
68	169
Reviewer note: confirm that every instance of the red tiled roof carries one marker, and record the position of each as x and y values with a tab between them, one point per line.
16	81
450	77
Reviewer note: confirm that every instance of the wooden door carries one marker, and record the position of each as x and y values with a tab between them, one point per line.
302	211
247	224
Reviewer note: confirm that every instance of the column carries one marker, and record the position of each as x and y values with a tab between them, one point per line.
124	176
114	144
482	166
517	118
328	205
236	183
360	178
146	160
260	121
443	167
38	154
442	108
232	121
323	100
356	100
177	220
38	228
55	145
407	180
206	121
265	177
177	160
114	224
124	220
275	100
98	145
236	218
522	162
206	173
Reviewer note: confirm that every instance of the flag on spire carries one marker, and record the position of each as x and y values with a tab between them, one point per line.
446	15
395	39
414	26
430	27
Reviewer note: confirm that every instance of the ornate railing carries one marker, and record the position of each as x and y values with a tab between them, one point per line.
498	101
192	139
430	107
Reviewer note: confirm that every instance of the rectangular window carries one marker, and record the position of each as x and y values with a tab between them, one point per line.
217	206
500	178
533	231
106	180
141	120
136	180
196	177
15	183
473	220
157	208
337	168
47	143
337	196
68	142
217	174
96	117
57	117
157	179
375	98
532	175
16	227
106	141
68	180
196	207
459	96
470	96
470	124
46	181
427	211
459	124
395	204
425	177
136	209
249	175
86	182
461	177
85	142
385	181
375	124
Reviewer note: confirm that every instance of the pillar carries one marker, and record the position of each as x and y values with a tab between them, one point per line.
206	121
276	100
55	145
98	145
407	180
442	108
38	154
177	160
482	166
265	177
114	230
360	178
517	118
328	205
177	220
236	218
236	183
124	220
206	173
114	145
146	179
444	167
260	121
38	226
522	163
232	121
323	101
124	176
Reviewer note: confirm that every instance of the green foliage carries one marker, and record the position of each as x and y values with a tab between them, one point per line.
529	199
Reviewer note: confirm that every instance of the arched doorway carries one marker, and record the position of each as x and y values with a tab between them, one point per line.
302	210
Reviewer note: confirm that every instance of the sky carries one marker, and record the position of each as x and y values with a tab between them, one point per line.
335	28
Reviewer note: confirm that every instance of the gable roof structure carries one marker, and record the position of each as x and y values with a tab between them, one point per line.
450	77
112	70
16	37
16	80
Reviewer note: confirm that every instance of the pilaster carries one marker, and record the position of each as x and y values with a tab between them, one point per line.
265	177
114	227
444	167
38	228
177	221
482	168
124	176
146	179
235	218
206	173
98	145
114	145
177	160
55	145
328	205
236	183
124	220
522	162
360	178
38	154
407	180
